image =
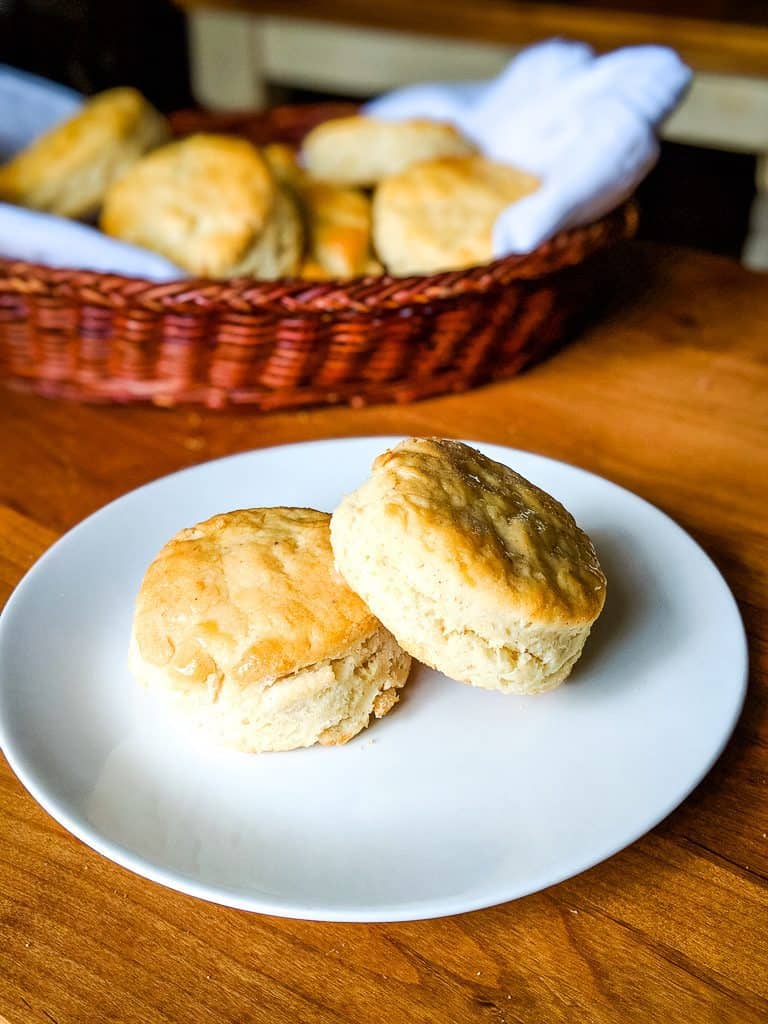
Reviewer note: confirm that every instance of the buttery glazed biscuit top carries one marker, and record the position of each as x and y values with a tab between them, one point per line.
453	519
252	595
201	202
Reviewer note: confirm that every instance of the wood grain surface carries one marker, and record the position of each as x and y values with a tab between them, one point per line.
668	395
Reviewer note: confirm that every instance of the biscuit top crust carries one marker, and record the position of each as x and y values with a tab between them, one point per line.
361	150
251	595
440	214
200	202
483	528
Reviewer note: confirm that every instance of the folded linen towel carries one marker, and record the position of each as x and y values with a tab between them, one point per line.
58	242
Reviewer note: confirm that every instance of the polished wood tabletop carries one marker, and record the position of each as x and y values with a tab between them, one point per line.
667	395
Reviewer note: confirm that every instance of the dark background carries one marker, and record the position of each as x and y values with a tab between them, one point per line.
696	197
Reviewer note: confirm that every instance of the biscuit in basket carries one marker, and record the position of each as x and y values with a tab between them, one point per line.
245	630
338	222
363	150
337	219
439	214
67	170
311	270
475	571
277	251
209	204
283	162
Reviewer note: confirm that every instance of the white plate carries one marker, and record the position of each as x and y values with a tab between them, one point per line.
459	799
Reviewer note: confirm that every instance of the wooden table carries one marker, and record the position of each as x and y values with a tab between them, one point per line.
669	396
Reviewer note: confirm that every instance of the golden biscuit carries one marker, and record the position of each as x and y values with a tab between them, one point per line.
276	252
475	571
338	224
363	150
283	162
337	220
201	202
439	214
311	270
68	169
244	628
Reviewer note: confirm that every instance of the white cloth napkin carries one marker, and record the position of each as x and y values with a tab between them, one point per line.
29	106
585	125
58	242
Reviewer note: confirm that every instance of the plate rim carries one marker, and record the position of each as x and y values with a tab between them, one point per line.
427	909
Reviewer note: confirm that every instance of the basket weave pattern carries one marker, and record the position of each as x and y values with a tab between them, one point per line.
280	344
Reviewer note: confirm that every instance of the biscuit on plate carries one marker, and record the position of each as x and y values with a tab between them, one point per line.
363	150
204	203
67	170
475	571
245	629
439	214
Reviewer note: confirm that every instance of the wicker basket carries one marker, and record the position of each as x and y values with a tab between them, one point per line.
108	338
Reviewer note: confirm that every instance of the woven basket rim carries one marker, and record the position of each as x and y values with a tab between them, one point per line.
292	295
